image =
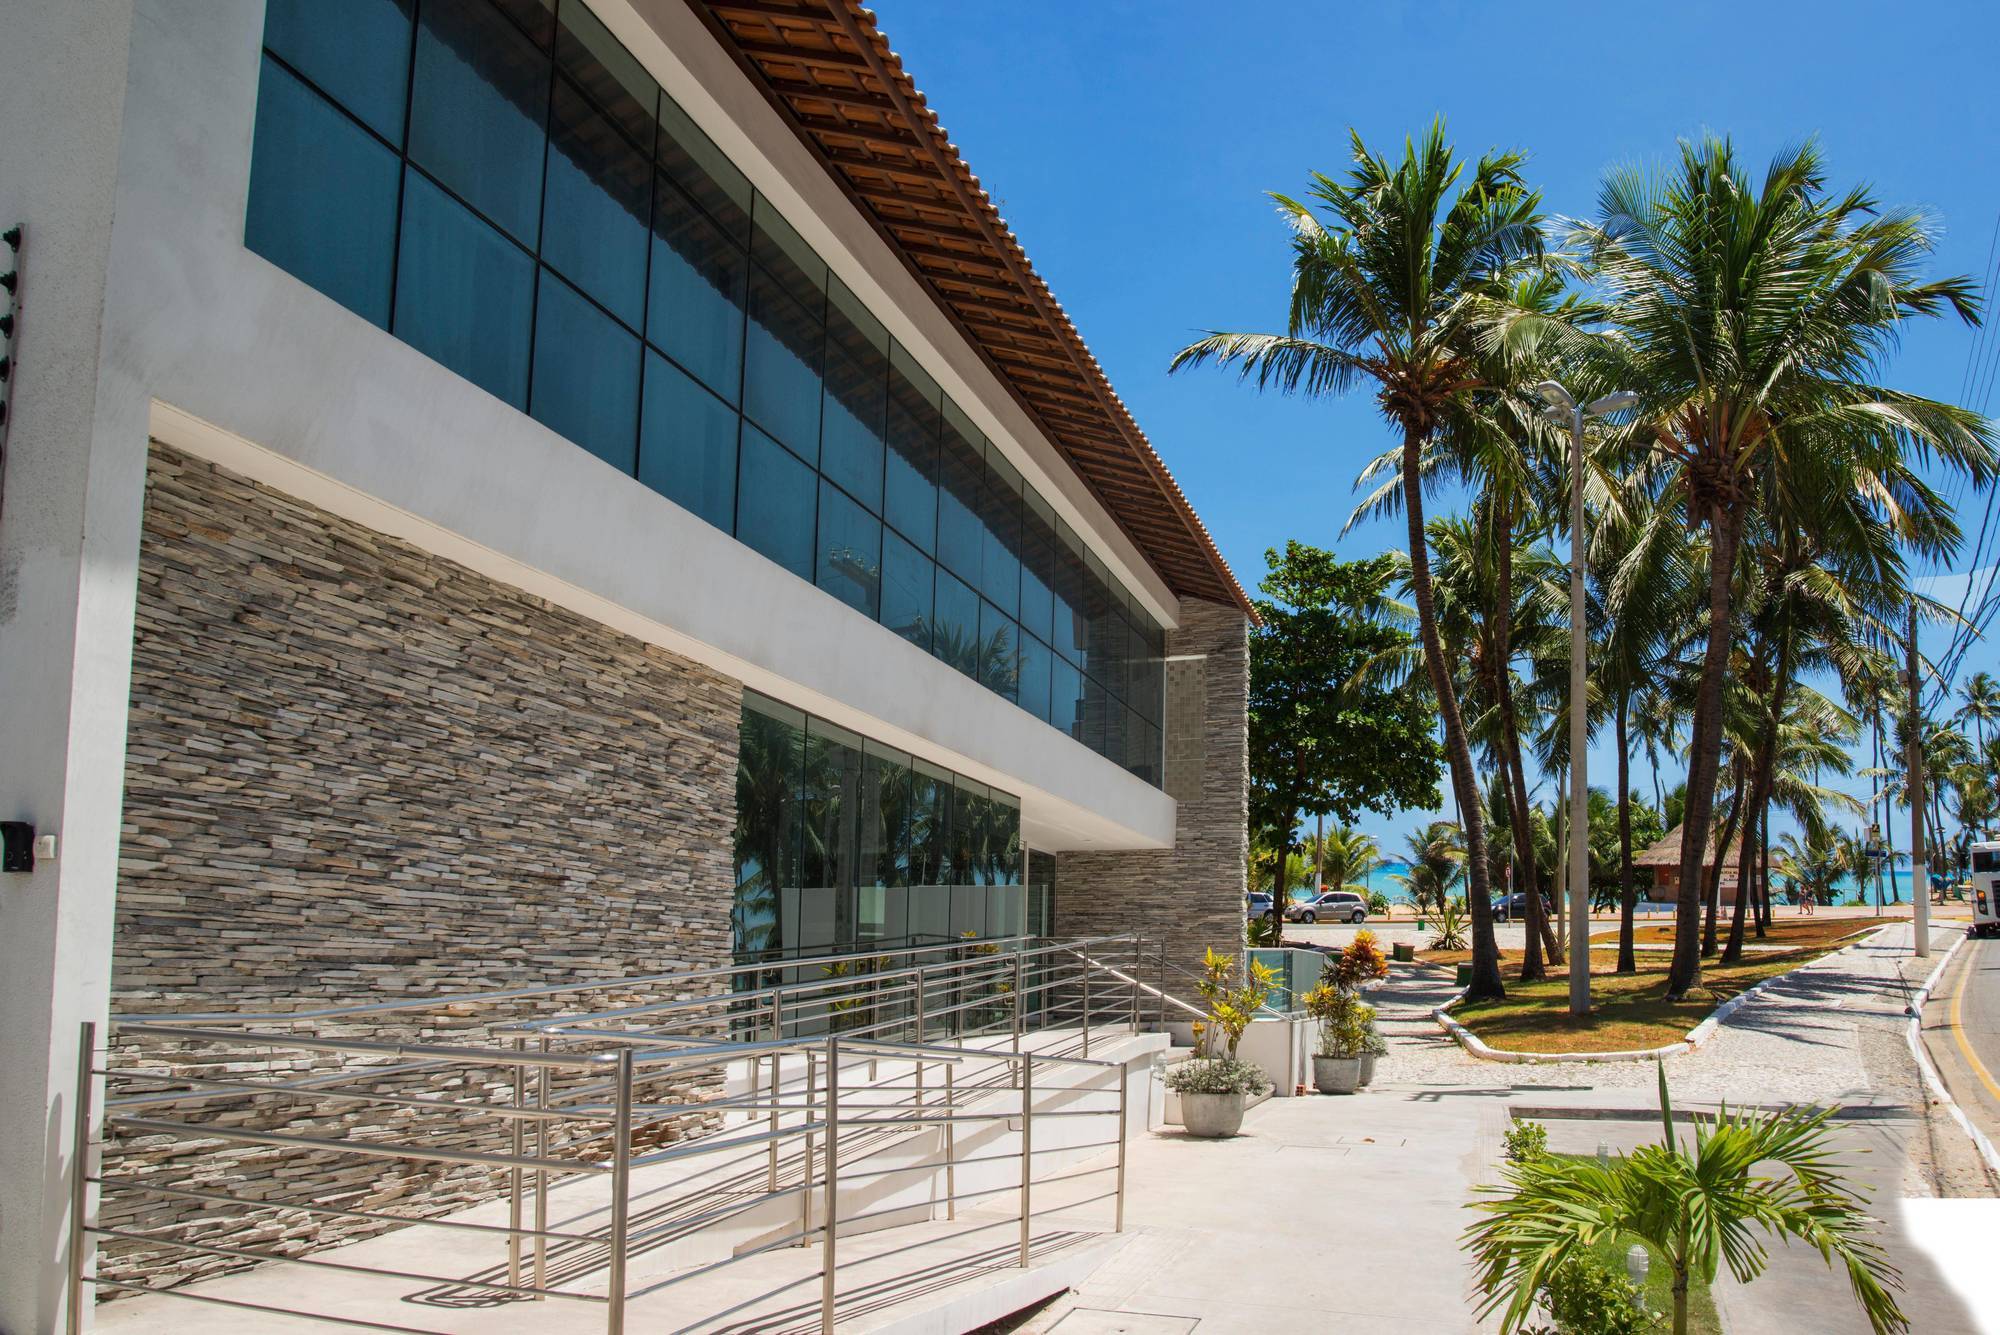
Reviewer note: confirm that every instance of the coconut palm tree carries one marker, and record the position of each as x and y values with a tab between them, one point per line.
1397	273
1697	1207
1346	857
1437	858
1981	697
1752	317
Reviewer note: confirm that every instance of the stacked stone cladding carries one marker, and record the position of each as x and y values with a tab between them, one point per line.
1189	897
358	772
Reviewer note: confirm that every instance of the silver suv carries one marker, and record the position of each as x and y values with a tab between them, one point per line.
1333	905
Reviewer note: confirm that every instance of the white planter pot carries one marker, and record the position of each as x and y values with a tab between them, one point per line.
1213	1115
1367	1069
1336	1075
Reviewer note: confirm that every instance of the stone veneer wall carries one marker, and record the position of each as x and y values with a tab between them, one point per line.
355	772
1191	895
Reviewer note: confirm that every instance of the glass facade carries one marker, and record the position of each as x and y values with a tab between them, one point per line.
501	185
845	846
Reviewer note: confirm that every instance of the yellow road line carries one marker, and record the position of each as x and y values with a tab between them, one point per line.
1958	1032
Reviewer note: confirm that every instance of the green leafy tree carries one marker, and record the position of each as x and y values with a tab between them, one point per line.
1323	737
1697	1207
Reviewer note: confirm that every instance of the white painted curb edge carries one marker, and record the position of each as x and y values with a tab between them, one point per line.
1696	1037
1934	1082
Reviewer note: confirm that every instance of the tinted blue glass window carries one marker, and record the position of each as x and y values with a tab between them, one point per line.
687	444
1038	556
909	499
906	591
478	110
699	277
999	651
1036	662
857	390
698	167
1072	630
769	778
1142	747
322	196
783	254
781	378
956	622
1000	518
586	375
776	497
850	551
358	53
596	205
1115	716
464	293
961	544
1066	697
609	75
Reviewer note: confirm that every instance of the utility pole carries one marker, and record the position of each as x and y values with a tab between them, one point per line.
1920	881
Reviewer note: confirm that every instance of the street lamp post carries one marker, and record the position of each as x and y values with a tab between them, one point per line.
1564	407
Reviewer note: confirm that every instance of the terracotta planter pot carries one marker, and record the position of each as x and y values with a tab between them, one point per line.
1336	1075
1212	1115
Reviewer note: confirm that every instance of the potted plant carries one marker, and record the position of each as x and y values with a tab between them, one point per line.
1213	1085
1377	1047
1344	1024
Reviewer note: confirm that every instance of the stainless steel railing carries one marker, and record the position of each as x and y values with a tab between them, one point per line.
581	1099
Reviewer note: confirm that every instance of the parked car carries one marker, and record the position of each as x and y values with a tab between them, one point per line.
1513	906
1333	905
1260	905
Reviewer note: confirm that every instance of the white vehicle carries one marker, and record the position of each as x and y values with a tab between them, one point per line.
1985	890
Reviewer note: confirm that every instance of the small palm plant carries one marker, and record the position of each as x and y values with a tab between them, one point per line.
1696	1207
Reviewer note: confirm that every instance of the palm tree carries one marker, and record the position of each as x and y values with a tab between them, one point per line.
1695	1207
1981	695
1750	318
1437	860
1394	287
1346	856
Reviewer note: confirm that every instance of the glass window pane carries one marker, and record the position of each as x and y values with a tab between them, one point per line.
961	545
930	823
1036	662
699	276
586	375
536	18
464	293
784	254
609	75
1066	697
1142	747
909	499
781	380
831	804
883	821
693	162
1000	517
358	53
687	444
956	621
965	859
1096	616
478	109
770	762
850	551
906	591
595	209
1095	705
857	389
775	499
1038	555
999	652
1072	631
1005	851
322	196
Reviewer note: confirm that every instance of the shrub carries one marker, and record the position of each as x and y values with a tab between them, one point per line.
1362	962
1526	1142
1216	1075
1584	1296
1229	1008
1450	923
1346	1022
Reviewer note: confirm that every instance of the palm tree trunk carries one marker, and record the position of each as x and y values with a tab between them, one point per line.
1741	776
1628	895
1762	776
1500	617
1704	754
1486	983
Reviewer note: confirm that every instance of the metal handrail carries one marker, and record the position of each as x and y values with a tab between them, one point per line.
814	1136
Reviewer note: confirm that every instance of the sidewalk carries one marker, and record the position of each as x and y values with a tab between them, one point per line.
1345	1213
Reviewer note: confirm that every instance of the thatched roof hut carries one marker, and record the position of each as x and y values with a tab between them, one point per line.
1664	857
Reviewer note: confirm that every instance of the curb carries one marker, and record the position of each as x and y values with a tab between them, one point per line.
1696	1036
1933	1081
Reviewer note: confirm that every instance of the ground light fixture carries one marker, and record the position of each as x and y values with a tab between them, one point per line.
1563	408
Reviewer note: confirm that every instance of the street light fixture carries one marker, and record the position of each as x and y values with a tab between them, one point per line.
1563	408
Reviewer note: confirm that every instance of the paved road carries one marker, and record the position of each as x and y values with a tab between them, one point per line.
1961	1029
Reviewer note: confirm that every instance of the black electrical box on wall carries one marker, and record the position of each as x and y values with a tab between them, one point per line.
17	845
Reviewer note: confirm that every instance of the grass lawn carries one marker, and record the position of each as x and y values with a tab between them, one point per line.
1814	931
1629	1010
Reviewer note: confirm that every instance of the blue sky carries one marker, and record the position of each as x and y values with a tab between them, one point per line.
1131	145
